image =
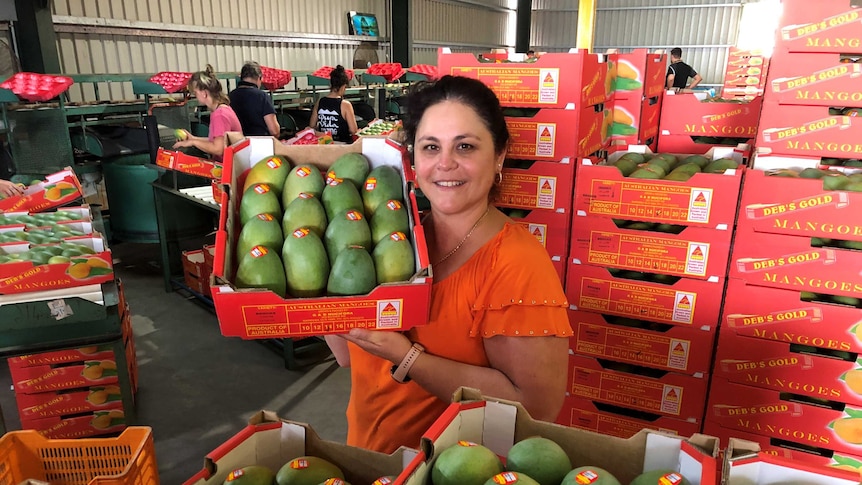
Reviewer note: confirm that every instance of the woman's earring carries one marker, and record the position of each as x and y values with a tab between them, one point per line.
498	179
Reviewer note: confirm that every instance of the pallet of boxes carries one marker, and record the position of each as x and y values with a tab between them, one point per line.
556	115
646	274
787	374
635	99
59	295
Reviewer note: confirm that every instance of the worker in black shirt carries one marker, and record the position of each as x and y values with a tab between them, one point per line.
678	72
332	112
251	104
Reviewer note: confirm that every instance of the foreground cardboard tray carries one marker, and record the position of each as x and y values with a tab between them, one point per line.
272	442
261	314
499	424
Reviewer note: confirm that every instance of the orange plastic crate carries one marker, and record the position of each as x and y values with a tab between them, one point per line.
129	459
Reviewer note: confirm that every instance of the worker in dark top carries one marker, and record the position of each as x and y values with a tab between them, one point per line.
678	72
251	104
332	112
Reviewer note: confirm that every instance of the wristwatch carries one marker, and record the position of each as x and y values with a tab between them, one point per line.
399	371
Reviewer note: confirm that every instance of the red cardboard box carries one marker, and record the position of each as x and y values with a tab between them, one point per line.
256	313
676	395
635	121
544	185
87	269
554	81
705	200
745	73
181	162
81	354
697	146
57	189
47	404
775	365
498	424
786	449
790	262
195	272
745	464
548	134
44	378
676	349
551	229
829	26
638	74
766	412
814	80
807	131
585	414
685	114
97	423
780	315
696	252
561	268
797	207
688	302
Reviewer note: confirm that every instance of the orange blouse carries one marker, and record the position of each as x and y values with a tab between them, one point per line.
508	287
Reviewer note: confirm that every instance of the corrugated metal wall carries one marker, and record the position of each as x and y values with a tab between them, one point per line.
704	29
476	25
147	36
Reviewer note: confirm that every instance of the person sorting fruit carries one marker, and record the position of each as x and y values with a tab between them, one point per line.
10	189
332	112
678	72
208	91
251	104
498	320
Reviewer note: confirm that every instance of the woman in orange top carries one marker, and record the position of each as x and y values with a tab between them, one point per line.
498	318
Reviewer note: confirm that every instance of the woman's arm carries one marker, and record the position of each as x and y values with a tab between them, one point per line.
213	147
313	122
349	116
338	346
530	370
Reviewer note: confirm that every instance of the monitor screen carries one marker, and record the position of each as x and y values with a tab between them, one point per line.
363	24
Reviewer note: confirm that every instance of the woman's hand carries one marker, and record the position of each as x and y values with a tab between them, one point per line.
392	346
187	143
9	189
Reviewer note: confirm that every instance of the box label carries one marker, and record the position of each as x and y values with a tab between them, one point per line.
838	200
755	265
648	253
663	202
529	191
539	231
629	345
849	71
517	84
606	424
627	390
639	301
807	315
832	123
317	318
792	32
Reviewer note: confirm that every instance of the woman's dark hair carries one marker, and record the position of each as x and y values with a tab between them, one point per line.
468	91
338	78
206	80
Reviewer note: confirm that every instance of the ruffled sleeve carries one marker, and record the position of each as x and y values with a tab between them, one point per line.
521	294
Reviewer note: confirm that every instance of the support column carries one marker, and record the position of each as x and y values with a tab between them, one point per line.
523	25
586	24
402	43
36	39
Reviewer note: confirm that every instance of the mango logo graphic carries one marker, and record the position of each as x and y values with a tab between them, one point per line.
856	330
82	268
548	81
849	429
678	349
389	310
684	302
59	190
671	395
700	200
108	419
853	380
545	135
546	188
697	253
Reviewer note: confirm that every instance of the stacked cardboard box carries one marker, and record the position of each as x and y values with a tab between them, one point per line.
786	366
647	270
812	96
744	74
692	123
556	116
635	99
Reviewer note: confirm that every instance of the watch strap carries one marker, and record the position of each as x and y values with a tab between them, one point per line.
400	371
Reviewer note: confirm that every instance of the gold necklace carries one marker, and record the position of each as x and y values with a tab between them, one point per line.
470	233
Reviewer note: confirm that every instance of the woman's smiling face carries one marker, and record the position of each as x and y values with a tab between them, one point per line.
454	158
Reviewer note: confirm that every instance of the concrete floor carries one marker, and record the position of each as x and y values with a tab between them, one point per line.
197	388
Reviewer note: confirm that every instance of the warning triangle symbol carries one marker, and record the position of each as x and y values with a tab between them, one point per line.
671	394
678	347
697	251
537	232
389	308
546	185
700	197
546	132
549	78
684	301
